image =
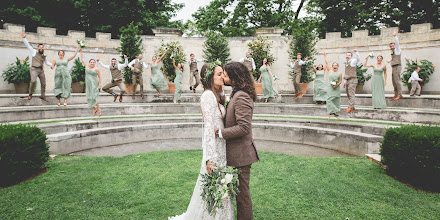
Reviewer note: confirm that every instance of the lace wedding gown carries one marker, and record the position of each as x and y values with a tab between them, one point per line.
214	149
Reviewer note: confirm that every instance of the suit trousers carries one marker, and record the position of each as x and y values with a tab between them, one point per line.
38	72
195	75
141	83
296	85
415	88
244	201
396	70
350	89
108	87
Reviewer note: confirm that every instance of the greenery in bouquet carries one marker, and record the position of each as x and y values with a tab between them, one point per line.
426	69
172	50
18	72
260	49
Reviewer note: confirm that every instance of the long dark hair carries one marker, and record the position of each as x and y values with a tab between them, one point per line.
208	84
239	74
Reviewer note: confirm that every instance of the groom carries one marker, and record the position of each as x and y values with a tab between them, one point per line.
240	149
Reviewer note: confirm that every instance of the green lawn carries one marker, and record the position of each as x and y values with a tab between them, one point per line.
159	184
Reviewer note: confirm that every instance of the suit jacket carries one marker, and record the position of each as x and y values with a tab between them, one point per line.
240	148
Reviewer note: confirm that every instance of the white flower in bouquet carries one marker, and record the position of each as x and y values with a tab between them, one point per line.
228	178
275	78
371	55
333	83
81	43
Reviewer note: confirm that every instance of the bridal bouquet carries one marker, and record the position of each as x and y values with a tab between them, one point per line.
81	43
221	183
275	78
333	83
371	55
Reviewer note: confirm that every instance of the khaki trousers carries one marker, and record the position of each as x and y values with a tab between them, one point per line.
415	88
38	72
397	84
195	75
350	88
107	87
141	83
244	201
296	85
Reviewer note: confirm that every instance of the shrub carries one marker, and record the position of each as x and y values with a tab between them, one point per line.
18	72
216	47
412	154
260	49
23	152
426	69
361	74
175	50
78	72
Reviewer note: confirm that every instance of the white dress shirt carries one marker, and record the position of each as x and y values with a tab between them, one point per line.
196	60
249	59
34	52
414	77
355	60
120	66
397	50
143	63
300	62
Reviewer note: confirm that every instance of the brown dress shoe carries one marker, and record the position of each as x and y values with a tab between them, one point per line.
142	96
120	98
43	98
30	97
398	97
133	97
116	97
300	96
194	90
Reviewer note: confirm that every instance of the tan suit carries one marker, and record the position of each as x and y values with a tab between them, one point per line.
240	148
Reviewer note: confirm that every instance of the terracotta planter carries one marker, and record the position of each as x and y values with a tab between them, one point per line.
128	89
21	88
172	87
77	87
259	88
304	87
359	88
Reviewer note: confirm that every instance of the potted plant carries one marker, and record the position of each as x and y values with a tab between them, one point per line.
426	69
173	50
260	49
303	40
131	45
19	74
362	77
78	76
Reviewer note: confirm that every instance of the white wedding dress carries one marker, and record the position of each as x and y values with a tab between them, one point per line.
214	149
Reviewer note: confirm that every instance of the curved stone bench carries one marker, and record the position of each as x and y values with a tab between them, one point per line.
428	116
350	142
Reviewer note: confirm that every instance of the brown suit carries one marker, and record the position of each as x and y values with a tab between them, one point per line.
240	148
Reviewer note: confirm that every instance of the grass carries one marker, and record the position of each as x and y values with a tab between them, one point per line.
159	184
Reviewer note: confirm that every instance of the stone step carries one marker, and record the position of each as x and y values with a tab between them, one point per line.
350	142
406	115
12	100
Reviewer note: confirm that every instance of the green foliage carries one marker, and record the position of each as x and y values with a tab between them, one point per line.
216	47
18	72
362	75
303	40
175	50
78	72
412	153
260	49
90	16
131	45
23	152
426	70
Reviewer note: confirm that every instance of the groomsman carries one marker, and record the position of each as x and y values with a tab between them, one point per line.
38	58
136	66
249	62
116	73
396	64
350	78
194	72
297	68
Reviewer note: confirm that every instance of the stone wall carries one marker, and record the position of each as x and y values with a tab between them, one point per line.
422	42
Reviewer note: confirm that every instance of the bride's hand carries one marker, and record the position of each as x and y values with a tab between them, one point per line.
209	165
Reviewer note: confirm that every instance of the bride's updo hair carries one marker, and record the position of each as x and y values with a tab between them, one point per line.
208	84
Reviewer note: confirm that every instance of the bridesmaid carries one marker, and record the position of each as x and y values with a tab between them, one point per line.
178	81
63	80
156	79
319	87
379	83
333	89
93	85
266	78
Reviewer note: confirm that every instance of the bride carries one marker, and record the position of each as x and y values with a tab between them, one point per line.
214	148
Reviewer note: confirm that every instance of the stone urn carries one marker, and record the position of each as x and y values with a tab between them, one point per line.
304	87
259	88
21	88
77	87
172	87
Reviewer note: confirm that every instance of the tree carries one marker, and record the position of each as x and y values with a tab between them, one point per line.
260	49
131	45
172	50
216	47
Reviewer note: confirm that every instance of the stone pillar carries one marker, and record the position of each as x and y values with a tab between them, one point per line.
273	31
167	32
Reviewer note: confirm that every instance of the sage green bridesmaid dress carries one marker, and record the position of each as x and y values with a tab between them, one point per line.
156	79
333	95
63	80
319	87
92	91
178	84
266	82
378	88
